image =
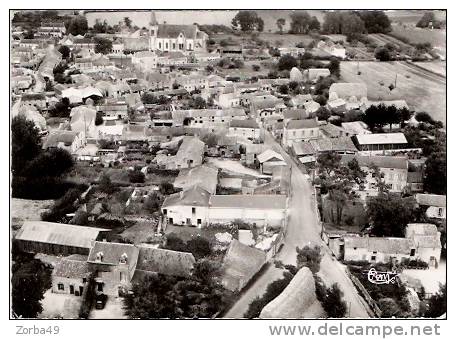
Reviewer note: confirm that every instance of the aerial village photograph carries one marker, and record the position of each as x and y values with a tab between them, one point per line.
228	164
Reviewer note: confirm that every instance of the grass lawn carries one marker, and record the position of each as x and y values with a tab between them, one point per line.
438	67
421	93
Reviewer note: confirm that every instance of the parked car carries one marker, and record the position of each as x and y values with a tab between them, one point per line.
100	301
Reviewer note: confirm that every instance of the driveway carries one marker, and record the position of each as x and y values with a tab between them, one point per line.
112	310
303	228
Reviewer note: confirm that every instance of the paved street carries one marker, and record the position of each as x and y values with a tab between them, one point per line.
303	228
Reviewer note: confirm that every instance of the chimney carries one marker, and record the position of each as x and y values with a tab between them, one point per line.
123	258
99	256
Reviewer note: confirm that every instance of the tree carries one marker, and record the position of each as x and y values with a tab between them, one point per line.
280	23
166	188
329	161
174	243
375	117
331	299
273	290
287	62
300	22
334	67
78	26
323	113
53	162
314	24
248	21
100	27
198	103
103	46
148	98
427	19
256	68
383	54
65	51
200	247
437	303
25	143
152	203
127	22
375	21
61	109
435	173
99	119
30	279
283	89
389	308
136	176
389	214
66	204
210	139
343	22
310	257
105	184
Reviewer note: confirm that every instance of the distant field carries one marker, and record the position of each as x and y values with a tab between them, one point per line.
287	40
411	16
422	90
415	35
438	67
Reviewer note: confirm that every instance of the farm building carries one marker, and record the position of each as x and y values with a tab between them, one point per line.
380	141
241	263
70	275
54	238
435	205
263	210
297	301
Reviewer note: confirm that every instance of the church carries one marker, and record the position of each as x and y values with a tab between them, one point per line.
172	38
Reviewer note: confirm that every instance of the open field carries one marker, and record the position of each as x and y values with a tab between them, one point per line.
411	16
438	67
422	91
24	209
436	37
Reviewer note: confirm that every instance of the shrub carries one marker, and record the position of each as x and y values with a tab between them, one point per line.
136	176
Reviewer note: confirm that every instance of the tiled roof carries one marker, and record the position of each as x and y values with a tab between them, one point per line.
248	123
163	261
59	234
300	124
431	200
72	268
112	253
193	196
381	138
248	201
173	31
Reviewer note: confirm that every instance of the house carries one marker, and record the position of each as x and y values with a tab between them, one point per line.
427	242
54	238
226	100
188	207
266	108
172	59
87	44
261	210
300	100
165	37
67	140
161	261
83	120
207	118
114	265
70	275
203	176
340	145
435	205
247	128
145	60
293	51
114	110
192	82
329	130
270	159
251	153
356	127
300	130
375	249
294	114
240	264
380	143
393	170
314	74
347	90
421	242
